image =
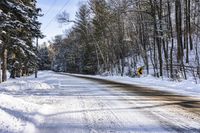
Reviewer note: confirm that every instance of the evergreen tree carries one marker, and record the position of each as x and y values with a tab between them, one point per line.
19	26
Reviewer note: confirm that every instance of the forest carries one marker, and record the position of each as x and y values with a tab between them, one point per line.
115	37
108	37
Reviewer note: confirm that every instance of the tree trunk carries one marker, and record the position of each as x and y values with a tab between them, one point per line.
0	72
122	66
189	26
4	65
162	41
179	31
172	39
186	30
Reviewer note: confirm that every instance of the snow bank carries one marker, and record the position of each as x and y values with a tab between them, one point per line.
185	87
13	114
24	84
9	123
18	113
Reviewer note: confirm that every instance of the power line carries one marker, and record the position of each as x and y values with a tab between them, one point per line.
51	7
56	14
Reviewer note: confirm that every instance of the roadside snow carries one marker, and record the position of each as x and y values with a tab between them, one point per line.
13	114
24	84
17	114
185	87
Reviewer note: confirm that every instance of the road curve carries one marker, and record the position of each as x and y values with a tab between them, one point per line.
86	105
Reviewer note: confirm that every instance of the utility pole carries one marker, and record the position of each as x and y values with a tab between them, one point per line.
36	66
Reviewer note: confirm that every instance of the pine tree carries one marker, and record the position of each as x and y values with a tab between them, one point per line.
82	27
19	26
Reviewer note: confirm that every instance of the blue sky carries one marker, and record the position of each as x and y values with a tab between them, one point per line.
50	8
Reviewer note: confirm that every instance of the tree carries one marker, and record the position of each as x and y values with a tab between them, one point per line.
19	25
44	58
118	36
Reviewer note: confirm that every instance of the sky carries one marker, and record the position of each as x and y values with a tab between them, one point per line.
50	9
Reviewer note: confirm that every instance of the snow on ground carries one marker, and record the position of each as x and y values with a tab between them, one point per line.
56	103
185	87
16	114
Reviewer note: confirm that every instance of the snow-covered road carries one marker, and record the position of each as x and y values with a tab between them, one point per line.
58	103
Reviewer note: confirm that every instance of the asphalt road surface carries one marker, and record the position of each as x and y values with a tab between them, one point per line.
86	105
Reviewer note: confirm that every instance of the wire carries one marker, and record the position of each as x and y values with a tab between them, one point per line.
56	15
51	7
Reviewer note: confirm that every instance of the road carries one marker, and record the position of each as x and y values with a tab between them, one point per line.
82	105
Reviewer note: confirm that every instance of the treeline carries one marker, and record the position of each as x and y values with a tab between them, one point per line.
18	29
116	35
